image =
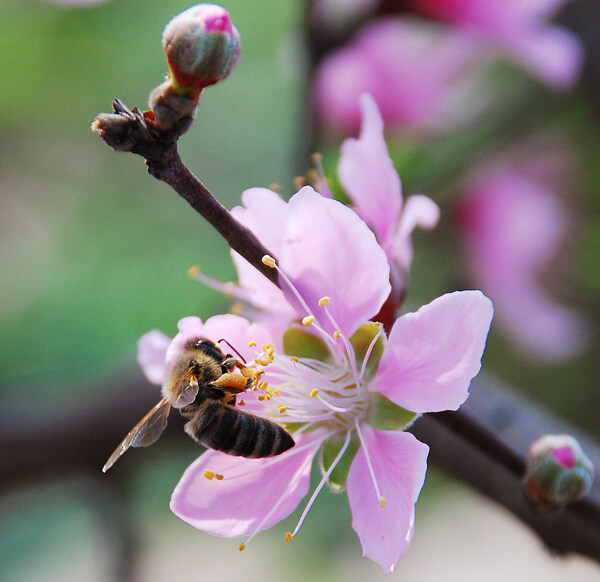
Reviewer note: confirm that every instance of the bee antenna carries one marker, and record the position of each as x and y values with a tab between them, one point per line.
236	352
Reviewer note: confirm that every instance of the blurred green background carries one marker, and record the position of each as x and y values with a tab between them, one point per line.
95	253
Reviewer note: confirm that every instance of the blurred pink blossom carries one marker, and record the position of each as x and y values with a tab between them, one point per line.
522	28
413	69
335	277
514	224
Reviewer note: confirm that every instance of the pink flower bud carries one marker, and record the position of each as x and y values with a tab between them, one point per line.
558	472
202	47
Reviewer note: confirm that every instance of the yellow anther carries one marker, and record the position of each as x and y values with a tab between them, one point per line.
294	359
324	300
241	403
383	502
314	392
276	392
377	323
268	396
247	372
275	187
262	397
268	348
263	386
282	409
308	320
242	547
269	261
219	477
336	335
299	181
252	344
193	272
288	536
262	361
209	475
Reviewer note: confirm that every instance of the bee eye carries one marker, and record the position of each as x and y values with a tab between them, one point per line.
192	363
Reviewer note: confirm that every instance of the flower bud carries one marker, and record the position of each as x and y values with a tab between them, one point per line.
202	47
558	472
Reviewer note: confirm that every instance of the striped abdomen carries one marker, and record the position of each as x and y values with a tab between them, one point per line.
232	431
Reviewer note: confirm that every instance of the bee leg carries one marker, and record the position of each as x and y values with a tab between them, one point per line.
229	363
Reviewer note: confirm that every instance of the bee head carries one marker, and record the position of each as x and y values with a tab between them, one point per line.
209	348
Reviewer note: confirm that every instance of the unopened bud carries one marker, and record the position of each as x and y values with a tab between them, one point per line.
202	47
558	472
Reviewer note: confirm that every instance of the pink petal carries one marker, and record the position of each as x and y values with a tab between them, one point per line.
433	354
265	492
553	53
368	175
514	224
399	463
522	28
152	349
419	211
411	67
329	251
263	212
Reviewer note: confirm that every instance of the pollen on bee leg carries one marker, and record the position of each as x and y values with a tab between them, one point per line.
269	261
288	536
209	475
308	320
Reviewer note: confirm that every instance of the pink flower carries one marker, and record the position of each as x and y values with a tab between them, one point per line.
519	27
514	223
367	173
413	69
349	389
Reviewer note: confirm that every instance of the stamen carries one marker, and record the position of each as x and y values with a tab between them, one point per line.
383	502
337	334
281	499
321	183
314	392
229	288
242	547
282	409
322	483
294	359
252	344
369	352
369	464
349	349
299	182
263	386
308	320
269	261
209	475
288	536
324	300
241	403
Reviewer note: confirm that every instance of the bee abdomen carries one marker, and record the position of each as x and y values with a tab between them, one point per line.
223	428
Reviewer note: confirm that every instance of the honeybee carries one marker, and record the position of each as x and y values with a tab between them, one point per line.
202	384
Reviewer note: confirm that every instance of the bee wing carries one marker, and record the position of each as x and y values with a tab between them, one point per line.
144	433
186	390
